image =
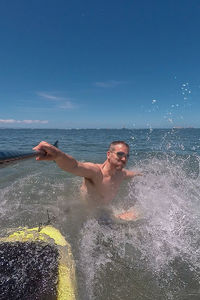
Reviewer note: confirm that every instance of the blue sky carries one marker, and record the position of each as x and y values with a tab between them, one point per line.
99	64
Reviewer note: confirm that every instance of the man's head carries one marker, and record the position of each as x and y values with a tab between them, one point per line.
118	154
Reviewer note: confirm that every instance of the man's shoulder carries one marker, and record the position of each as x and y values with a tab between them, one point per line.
94	166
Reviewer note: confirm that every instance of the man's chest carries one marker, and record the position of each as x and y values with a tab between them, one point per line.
106	188
110	185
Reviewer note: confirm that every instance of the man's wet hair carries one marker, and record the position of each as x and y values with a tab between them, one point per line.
114	143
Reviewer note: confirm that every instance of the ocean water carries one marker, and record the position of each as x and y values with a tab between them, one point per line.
156	257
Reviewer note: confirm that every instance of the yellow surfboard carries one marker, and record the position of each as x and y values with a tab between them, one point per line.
41	239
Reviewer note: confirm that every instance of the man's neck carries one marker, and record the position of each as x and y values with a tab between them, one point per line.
108	169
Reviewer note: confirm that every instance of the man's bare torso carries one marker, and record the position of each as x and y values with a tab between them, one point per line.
104	189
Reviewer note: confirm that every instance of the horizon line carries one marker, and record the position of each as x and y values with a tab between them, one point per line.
100	128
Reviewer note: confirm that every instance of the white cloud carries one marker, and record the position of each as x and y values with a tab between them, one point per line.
12	121
64	103
49	96
109	83
68	105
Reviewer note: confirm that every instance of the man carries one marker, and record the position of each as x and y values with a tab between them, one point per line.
101	182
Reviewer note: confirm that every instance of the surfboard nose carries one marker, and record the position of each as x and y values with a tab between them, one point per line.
37	263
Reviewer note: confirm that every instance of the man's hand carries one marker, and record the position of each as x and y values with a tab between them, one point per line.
46	151
128	215
138	174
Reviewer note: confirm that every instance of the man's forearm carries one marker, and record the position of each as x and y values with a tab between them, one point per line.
66	162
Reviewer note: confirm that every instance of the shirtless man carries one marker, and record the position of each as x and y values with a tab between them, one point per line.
101	182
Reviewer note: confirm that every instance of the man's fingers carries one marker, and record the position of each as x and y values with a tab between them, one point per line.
41	155
45	151
43	148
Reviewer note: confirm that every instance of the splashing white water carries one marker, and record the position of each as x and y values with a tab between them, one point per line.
165	244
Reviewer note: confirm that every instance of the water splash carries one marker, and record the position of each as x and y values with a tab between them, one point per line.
160	253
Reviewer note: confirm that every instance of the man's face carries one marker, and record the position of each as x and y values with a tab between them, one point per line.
118	156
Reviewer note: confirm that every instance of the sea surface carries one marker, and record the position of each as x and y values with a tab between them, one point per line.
156	257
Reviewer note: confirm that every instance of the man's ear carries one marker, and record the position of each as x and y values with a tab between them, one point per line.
108	154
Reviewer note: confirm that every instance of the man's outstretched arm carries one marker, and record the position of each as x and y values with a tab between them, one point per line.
130	174
66	162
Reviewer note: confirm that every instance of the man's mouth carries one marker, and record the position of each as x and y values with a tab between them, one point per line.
121	163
